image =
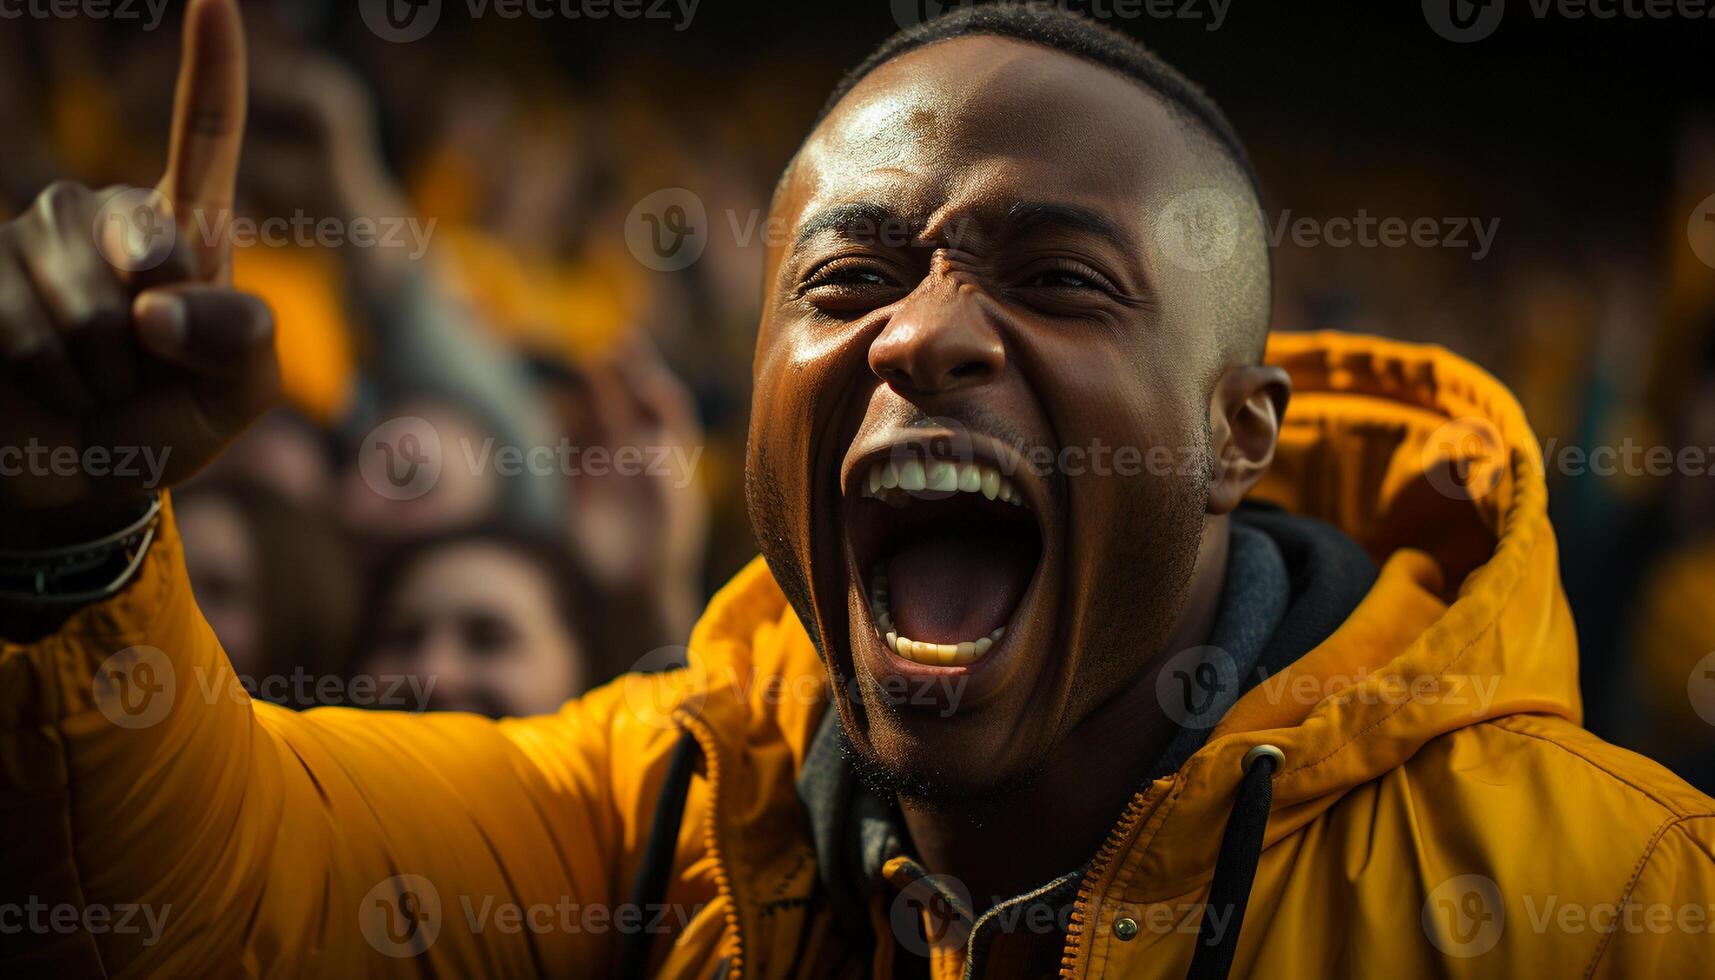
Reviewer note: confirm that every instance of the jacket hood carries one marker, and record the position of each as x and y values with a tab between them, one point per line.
1427	462
1422	458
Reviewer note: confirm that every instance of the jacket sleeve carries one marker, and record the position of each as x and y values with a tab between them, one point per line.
159	822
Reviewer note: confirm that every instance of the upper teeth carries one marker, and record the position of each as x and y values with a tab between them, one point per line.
914	475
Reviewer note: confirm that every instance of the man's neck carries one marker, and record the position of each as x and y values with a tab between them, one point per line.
1002	848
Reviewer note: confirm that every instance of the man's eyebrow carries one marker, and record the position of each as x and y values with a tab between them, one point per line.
1021	217
1038	215
839	217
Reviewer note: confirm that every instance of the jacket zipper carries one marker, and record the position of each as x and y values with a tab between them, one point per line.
1133	815
1134	812
711	839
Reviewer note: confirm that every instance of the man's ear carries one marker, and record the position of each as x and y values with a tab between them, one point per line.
1244	427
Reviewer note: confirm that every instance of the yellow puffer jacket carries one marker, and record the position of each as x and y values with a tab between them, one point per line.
1439	812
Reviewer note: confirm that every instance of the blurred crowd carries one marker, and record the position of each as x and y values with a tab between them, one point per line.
513	313
498	307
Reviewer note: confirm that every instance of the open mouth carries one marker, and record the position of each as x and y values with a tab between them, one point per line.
945	550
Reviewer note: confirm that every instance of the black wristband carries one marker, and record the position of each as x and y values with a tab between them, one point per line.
79	574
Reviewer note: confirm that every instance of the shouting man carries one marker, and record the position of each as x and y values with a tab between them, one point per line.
1071	648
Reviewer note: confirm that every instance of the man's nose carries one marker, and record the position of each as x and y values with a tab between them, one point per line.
940	340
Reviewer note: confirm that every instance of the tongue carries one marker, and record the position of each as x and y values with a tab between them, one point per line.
952	589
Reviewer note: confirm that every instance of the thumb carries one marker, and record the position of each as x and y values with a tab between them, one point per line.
223	338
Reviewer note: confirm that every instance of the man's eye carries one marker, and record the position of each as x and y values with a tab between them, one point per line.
1066	274
847	273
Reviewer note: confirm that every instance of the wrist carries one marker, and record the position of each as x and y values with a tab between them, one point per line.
37	529
91	569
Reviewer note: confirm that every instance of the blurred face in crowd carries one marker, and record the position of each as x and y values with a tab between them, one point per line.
972	299
379	511
479	625
280	451
220	555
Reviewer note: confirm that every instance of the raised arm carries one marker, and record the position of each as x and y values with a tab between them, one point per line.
157	821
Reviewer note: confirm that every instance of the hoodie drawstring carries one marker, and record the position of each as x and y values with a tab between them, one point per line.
1217	940
649	888
1235	865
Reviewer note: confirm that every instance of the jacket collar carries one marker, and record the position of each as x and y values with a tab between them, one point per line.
1289	582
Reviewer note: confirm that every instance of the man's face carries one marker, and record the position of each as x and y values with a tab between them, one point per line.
971	286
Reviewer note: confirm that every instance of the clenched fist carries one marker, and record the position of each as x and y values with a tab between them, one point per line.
127	360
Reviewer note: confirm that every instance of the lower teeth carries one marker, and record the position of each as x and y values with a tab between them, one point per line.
933	654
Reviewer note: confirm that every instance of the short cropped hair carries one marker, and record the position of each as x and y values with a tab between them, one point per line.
1070	33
